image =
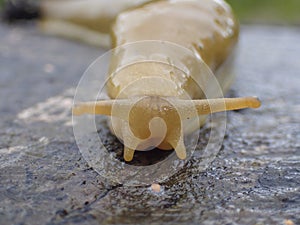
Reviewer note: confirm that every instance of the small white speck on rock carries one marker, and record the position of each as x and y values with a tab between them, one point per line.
49	68
156	188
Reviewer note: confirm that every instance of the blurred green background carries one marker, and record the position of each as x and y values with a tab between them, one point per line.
283	12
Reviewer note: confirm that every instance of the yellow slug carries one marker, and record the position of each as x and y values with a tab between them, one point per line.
209	30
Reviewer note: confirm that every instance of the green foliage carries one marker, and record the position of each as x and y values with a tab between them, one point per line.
267	11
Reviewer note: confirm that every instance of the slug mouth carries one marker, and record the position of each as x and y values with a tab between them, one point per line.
152	121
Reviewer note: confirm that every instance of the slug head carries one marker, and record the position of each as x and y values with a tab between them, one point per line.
150	122
153	121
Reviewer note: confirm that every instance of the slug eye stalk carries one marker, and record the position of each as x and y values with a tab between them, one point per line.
203	107
171	111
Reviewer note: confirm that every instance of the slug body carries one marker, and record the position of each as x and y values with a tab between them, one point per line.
166	94
207	28
89	21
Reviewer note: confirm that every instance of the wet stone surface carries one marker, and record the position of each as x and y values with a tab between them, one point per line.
255	178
